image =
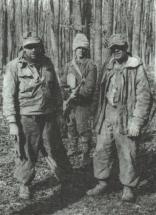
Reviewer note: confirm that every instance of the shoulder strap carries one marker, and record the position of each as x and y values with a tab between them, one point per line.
76	68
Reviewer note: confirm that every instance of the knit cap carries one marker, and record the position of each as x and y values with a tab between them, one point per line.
80	40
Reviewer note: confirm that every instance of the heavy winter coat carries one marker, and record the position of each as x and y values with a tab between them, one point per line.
83	103
135	95
30	89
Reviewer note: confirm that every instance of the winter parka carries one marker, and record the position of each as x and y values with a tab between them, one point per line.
135	101
30	91
83	102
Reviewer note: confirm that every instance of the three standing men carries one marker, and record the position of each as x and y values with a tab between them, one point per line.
32	104
123	111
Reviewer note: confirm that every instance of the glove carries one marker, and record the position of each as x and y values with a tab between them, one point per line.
14	131
133	130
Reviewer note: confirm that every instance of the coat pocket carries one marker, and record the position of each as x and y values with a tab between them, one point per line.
25	80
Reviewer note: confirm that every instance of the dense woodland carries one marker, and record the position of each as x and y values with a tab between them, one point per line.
57	21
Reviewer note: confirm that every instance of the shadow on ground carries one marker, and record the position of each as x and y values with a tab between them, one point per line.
70	192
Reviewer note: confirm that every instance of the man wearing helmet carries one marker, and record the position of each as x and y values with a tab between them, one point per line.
123	111
32	103
81	71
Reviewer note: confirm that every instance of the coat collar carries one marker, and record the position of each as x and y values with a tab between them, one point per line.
132	62
23	62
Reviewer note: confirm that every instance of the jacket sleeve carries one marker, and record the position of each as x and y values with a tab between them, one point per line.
143	98
10	93
88	88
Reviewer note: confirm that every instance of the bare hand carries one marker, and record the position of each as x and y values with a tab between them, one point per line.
73	94
14	131
133	130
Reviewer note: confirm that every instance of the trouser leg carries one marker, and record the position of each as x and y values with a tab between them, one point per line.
85	147
54	147
127	151
83	125
103	156
29	145
72	134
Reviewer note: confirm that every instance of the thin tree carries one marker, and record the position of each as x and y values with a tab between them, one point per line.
98	33
137	28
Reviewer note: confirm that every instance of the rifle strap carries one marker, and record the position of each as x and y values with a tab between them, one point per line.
76	68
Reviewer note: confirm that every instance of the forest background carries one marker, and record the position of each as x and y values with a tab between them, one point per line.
57	22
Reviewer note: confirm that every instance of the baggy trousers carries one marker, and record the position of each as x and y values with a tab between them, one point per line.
38	132
79	127
126	148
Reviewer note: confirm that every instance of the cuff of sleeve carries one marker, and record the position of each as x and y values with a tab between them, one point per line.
137	121
11	119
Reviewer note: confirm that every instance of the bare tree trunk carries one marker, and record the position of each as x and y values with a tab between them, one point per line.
98	33
4	33
87	17
56	33
12	30
133	17
107	18
137	28
154	28
92	30
77	20
36	15
129	23
67	30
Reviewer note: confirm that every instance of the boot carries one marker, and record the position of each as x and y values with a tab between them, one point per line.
128	194
98	189
24	192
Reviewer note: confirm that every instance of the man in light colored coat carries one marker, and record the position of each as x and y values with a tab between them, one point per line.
123	111
32	104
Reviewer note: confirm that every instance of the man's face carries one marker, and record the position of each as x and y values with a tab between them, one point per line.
80	52
119	52
32	51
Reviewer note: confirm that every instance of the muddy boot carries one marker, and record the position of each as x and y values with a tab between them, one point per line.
24	192
128	194
98	189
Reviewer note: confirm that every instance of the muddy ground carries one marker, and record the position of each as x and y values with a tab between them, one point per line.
49	198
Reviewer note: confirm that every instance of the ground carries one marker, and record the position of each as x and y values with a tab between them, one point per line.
49	198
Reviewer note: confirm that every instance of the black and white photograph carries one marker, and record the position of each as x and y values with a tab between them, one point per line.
78	107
